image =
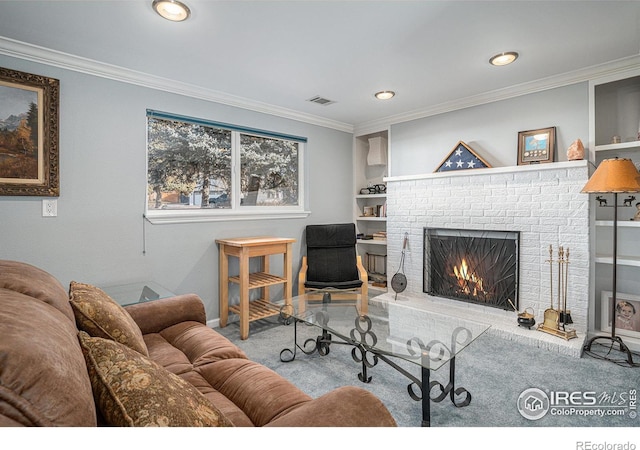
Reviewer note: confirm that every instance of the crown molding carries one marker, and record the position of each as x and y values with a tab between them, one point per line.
609	69
43	55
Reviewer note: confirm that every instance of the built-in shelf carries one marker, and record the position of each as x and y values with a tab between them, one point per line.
621	223
620	146
623	260
372	241
371	196
372	219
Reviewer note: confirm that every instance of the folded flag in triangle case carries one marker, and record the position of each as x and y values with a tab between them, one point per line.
462	157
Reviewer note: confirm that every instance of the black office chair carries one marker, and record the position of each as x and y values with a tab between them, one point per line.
332	264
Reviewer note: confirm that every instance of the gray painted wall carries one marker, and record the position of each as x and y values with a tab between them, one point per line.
98	235
491	130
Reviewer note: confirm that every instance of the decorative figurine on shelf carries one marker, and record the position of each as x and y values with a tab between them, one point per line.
575	151
629	200
637	215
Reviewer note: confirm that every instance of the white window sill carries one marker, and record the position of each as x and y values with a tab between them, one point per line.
197	216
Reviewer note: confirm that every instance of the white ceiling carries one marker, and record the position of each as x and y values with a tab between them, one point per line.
281	53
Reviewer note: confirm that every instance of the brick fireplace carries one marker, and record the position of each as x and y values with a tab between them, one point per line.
541	203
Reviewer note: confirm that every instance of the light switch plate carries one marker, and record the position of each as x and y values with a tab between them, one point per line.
49	208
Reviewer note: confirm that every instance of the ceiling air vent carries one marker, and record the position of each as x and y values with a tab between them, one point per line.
320	100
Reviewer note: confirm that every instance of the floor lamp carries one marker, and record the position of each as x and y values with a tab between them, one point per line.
613	176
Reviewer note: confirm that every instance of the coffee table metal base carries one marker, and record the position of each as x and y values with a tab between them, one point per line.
363	340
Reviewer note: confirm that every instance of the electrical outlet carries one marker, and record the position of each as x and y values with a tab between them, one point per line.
49	208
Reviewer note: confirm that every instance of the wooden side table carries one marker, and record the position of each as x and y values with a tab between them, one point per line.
243	249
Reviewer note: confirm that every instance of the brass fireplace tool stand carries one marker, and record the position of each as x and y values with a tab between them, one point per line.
556	320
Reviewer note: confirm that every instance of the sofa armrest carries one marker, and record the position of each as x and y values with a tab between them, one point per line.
154	316
347	406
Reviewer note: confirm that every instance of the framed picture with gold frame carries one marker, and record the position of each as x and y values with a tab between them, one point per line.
29	135
536	146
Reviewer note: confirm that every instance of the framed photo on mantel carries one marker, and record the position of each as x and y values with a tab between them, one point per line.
29	159
536	146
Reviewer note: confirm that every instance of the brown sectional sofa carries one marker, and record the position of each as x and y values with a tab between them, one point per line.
45	381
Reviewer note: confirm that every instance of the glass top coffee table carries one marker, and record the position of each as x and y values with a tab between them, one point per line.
390	332
129	294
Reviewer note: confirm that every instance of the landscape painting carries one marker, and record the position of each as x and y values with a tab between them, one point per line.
20	149
28	134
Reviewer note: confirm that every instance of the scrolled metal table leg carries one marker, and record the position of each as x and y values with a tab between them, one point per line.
361	337
287	354
453	392
426	400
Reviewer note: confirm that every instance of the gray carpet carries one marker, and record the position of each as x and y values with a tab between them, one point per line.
494	370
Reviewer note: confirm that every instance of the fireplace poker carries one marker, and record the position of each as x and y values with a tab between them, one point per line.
565	315
560	277
551	316
551	274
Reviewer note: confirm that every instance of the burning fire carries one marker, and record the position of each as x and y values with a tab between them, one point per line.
469	283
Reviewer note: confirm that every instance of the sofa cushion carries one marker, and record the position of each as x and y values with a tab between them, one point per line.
258	391
35	282
132	390
201	344
100	316
181	347
230	410
43	375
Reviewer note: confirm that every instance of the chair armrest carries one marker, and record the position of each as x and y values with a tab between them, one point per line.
347	406
302	276
156	315
364	277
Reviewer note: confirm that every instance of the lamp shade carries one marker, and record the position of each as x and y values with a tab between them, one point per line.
614	176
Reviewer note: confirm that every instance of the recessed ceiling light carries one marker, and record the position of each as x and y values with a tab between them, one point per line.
502	59
172	10
384	95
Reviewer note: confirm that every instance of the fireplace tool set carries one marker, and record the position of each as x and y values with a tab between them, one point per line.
556	319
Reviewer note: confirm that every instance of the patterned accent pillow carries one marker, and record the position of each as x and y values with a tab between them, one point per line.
99	315
132	390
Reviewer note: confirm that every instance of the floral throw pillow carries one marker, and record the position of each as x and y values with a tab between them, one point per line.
99	315
133	391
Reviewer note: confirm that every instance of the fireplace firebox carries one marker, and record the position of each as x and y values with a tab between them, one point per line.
475	266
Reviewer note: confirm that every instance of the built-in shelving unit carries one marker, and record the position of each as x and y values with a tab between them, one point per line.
619	146
614	127
372	251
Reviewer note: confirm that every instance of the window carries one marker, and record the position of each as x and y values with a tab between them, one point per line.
203	169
